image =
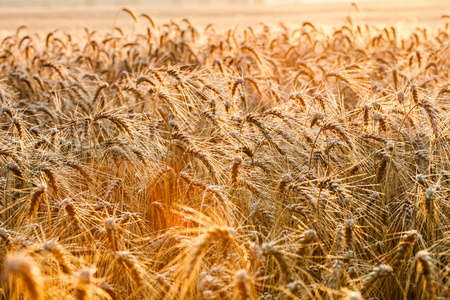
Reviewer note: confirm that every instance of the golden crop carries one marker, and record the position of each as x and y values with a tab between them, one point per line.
189	163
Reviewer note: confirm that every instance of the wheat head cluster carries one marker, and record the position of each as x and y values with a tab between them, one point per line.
263	162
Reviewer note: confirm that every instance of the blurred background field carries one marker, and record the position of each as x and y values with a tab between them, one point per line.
74	15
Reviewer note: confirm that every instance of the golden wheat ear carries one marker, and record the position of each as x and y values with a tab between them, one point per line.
25	268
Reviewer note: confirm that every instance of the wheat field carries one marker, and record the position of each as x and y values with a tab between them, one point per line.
192	162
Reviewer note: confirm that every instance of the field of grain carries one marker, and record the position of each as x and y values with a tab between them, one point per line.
169	160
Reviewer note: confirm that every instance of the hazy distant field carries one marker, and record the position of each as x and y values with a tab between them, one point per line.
403	13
